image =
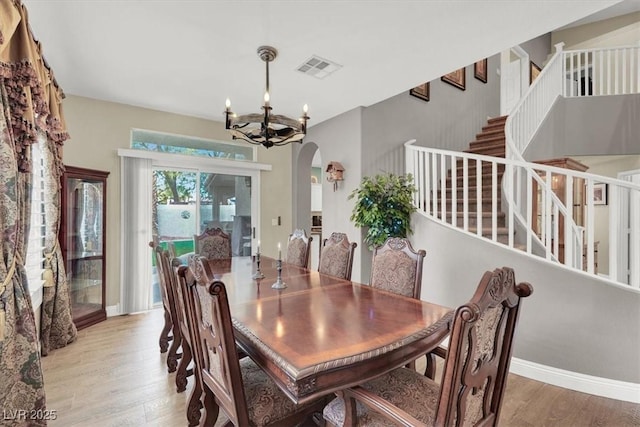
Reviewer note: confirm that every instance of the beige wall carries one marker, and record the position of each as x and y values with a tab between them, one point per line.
619	31
99	128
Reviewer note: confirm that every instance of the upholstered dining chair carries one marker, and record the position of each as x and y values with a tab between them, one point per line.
397	267
336	256
243	391
475	370
299	248
169	333
165	333
213	243
169	264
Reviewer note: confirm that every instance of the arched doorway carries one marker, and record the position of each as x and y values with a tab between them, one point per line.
308	194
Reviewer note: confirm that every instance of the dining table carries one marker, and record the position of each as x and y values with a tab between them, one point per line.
320	334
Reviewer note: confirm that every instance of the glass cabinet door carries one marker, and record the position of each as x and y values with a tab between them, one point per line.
82	240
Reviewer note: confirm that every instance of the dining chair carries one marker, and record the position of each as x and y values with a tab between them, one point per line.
169	333
213	243
165	333
299	248
397	267
475	370
170	263
244	392
336	256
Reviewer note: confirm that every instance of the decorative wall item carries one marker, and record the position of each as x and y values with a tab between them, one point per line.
421	91
335	172
480	70
600	193
534	71
456	78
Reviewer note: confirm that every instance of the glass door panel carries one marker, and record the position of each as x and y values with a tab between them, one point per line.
225	202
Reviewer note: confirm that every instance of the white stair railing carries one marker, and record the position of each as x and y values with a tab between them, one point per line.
587	72
535	218
463	190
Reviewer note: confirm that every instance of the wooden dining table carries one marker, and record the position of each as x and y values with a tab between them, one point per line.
322	334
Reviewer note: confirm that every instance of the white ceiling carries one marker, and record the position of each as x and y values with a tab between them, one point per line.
187	57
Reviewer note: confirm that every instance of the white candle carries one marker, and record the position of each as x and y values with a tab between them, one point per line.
279	251
258	246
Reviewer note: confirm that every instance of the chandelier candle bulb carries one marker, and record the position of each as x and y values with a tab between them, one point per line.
227	105
266	98
279	251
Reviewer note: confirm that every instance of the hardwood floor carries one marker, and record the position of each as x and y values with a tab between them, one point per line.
114	375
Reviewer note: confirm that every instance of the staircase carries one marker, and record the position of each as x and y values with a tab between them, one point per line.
490	190
490	142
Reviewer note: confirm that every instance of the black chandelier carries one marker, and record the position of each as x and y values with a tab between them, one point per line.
266	129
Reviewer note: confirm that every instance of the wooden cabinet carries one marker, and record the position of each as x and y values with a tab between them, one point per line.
82	240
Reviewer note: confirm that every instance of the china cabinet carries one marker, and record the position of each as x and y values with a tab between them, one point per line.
82	240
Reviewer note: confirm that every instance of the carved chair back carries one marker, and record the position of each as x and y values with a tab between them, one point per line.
397	267
216	350
213	243
479	353
336	257
164	275
299	248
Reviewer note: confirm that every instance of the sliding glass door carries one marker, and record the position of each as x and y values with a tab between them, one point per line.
186	202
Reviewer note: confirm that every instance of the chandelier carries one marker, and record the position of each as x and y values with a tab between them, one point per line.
265	128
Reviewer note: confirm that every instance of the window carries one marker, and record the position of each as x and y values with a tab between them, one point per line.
178	144
34	262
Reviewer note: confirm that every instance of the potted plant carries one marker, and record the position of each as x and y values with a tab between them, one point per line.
384	204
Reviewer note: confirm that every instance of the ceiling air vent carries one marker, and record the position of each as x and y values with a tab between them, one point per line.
318	67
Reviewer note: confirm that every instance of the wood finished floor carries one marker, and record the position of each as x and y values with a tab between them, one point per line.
114	375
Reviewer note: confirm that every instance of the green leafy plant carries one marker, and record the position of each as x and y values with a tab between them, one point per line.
384	204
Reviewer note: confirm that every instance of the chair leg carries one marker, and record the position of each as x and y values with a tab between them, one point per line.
211	409
183	372
172	357
164	335
430	370
194	405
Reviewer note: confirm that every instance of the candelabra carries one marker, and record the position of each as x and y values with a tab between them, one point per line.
258	274
279	284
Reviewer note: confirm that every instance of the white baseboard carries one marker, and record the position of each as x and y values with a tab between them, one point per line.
113	310
613	389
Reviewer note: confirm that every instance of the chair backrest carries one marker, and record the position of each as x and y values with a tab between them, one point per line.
336	256
397	267
213	243
299	248
479	353
215	348
164	272
169	264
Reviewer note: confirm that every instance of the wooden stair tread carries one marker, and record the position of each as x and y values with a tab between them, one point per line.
497	119
489	230
490	133
489	141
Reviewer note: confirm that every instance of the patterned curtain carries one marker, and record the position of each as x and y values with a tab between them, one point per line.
21	387
30	103
56	325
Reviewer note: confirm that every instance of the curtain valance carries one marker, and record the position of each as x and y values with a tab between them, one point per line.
31	87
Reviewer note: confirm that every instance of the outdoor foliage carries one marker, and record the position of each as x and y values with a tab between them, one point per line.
384	204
